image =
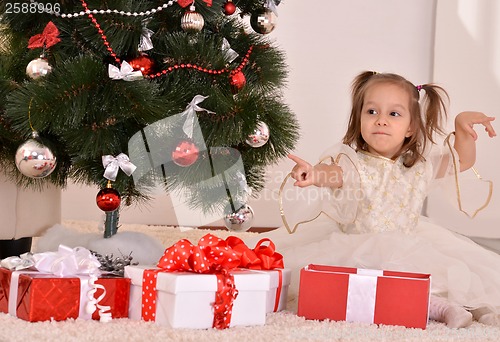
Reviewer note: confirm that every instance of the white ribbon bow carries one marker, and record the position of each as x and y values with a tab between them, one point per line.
190	114
145	42
272	5
229	53
126	72
113	164
67	262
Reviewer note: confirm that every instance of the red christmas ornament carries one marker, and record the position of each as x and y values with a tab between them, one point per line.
108	199
143	63
185	153
229	8
237	81
46	39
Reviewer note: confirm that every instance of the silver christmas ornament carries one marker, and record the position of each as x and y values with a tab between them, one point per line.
263	21
37	68
34	159
192	21
239	220
259	136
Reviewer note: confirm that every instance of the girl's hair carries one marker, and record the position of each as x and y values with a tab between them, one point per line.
423	126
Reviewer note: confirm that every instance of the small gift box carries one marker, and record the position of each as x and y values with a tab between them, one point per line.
38	295
213	284
361	295
186	299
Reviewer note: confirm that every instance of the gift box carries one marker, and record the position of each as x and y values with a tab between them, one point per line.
363	295
186	299
42	297
277	293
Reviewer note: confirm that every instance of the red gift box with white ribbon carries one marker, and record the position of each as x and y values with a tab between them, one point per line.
61	285
363	295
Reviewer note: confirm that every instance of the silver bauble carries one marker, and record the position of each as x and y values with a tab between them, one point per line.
263	21
259	136
239	220
38	68
34	159
192	22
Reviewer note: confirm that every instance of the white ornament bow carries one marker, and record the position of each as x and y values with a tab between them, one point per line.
272	5
145	42
190	114
126	72
113	164
229	53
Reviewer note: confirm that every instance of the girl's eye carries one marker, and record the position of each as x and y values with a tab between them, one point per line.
372	111
395	114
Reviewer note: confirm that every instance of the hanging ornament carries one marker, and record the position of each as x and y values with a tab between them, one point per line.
239	220
125	72
143	63
38	67
108	199
34	159
263	21
229	7
192	21
145	42
259	136
185	153
237	81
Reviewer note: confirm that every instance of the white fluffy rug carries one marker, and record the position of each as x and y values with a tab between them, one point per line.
282	326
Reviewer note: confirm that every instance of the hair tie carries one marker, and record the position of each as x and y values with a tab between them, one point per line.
419	87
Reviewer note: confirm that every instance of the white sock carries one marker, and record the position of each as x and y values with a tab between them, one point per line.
486	316
453	315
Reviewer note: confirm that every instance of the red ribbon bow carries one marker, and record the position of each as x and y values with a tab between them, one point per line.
260	258
186	3
47	38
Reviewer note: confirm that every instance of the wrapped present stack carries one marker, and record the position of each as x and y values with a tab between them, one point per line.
214	284
61	285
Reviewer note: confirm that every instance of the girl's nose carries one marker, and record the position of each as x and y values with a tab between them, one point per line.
381	121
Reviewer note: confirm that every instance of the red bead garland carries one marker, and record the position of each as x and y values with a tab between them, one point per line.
101	32
171	68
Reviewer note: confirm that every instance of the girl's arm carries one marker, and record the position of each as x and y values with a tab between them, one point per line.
321	175
465	136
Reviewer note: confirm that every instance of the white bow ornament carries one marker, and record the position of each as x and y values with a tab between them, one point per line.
126	72
113	164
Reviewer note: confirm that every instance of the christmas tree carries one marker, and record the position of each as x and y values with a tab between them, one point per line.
128	95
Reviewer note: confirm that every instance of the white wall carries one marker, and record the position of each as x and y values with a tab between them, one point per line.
467	64
327	44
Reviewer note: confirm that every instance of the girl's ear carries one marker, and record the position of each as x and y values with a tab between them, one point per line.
410	131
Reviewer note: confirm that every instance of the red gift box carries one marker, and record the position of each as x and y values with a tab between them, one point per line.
360	295
42	297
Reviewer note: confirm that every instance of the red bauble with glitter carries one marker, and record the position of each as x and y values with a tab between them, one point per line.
185	153
143	63
237	81
108	199
229	8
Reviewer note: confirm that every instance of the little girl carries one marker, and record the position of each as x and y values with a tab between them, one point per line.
376	183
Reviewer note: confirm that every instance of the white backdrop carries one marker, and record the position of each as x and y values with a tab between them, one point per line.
327	44
467	64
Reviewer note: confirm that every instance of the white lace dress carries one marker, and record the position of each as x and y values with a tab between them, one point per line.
374	221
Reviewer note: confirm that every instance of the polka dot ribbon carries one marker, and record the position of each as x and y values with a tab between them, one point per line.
212	255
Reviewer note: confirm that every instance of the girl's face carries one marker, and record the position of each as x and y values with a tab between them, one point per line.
385	119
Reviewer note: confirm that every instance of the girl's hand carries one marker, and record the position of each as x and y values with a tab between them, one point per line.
465	122
302	172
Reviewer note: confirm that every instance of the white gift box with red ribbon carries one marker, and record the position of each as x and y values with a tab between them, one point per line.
185	299
364	295
277	293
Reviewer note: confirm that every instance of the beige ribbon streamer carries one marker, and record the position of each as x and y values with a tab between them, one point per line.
457	183
282	211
